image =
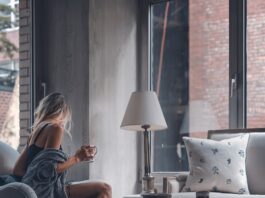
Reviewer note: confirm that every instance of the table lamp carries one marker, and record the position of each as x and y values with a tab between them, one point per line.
144	114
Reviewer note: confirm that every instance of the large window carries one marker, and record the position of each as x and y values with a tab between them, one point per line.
198	69
189	71
9	78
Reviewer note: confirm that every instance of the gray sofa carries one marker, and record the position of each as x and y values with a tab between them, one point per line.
255	165
8	157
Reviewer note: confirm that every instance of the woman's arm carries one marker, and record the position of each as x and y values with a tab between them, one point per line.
21	164
54	141
81	155
61	167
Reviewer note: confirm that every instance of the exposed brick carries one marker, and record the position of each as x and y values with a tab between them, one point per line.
24	115
24	97
23	55
24	89
23	4
24	13
24	63
24	124
23	21
24	106
24	131
24	81
208	60
24	47
24	72
24	30
23	39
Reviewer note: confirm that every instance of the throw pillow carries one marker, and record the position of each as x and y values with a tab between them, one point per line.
217	166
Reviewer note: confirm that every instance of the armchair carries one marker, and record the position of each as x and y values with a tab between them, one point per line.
8	157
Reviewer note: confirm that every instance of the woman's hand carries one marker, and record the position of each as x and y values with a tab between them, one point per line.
85	153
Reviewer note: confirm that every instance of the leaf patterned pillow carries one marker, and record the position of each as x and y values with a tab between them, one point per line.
217	166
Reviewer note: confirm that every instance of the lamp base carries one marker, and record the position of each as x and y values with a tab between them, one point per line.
148	184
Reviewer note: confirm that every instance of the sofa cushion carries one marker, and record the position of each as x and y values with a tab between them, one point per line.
8	157
255	163
217	165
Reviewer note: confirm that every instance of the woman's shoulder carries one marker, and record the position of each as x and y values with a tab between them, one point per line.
47	128
54	136
54	128
54	125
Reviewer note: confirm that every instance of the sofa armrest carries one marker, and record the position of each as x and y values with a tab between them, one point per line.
174	184
17	190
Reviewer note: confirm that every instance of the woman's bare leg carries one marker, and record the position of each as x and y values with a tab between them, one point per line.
90	190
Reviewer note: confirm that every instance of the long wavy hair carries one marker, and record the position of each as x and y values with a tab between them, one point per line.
53	106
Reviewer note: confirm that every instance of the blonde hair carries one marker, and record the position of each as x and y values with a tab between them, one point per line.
54	106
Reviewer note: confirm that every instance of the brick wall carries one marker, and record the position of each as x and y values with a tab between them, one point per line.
208	63
256	63
209	59
25	69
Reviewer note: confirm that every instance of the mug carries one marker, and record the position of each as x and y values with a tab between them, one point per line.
92	149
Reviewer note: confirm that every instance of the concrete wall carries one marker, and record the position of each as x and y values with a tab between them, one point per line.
62	63
88	51
112	78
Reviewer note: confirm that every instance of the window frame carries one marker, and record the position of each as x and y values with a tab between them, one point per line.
237	58
238	62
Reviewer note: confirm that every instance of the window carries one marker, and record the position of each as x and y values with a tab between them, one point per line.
15	14
255	64
197	67
8	75
9	13
9	78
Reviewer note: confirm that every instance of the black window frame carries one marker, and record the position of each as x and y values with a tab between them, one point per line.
237	57
238	62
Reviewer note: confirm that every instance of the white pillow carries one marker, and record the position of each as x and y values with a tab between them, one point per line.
217	165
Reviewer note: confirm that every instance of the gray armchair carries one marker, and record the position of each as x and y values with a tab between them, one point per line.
8	157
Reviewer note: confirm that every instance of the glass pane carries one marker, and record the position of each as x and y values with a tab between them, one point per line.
9	79
255	64
189	71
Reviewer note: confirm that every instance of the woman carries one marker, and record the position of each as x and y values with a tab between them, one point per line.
52	117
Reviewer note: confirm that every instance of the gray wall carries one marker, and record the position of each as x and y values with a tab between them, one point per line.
88	51
112	78
62	63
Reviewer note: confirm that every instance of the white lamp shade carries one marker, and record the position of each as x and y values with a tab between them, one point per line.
143	109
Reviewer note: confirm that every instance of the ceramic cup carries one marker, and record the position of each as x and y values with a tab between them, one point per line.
92	149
